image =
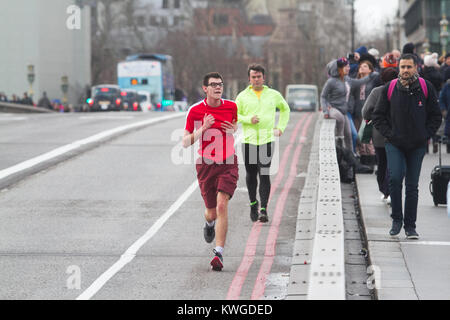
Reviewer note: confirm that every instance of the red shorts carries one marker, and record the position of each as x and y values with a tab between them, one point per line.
213	178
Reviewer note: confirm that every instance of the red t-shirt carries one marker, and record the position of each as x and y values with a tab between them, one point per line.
215	144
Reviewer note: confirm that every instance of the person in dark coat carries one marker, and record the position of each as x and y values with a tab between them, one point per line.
407	119
26	100
445	66
431	73
44	102
444	105
387	75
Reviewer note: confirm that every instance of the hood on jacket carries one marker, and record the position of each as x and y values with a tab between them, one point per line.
332	69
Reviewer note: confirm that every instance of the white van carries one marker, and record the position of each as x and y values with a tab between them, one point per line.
302	97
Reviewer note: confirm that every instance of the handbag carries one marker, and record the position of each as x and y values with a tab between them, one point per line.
365	132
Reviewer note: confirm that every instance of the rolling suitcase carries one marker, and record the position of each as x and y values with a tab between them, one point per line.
440	177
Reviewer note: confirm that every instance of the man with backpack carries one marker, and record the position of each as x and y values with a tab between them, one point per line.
407	115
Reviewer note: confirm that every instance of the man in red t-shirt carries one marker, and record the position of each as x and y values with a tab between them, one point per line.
214	121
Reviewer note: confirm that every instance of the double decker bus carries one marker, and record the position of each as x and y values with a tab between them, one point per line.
152	73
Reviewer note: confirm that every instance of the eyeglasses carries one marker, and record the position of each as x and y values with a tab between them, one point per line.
215	84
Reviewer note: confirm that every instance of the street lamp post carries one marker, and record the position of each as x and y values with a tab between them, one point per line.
351	3
388	38
444	32
65	88
426	46
31	77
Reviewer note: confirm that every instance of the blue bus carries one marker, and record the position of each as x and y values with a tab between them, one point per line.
152	73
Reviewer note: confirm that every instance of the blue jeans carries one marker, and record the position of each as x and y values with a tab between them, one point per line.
404	164
354	132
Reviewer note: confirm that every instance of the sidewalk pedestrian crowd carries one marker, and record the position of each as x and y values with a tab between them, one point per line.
389	109
43	102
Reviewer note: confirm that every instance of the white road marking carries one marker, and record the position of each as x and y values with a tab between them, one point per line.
129	255
131	252
9	118
111	117
77	144
427	243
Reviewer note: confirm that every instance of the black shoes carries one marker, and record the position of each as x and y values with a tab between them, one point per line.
209	233
217	262
411	234
396	228
254	211
263	217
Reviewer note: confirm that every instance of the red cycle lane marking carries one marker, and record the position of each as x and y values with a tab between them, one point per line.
269	256
250	250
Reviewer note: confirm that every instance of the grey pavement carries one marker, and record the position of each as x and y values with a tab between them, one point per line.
408	269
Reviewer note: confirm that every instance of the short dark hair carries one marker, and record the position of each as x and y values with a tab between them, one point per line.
409	56
214	75
389	74
257	68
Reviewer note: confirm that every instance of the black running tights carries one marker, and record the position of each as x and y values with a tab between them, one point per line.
257	162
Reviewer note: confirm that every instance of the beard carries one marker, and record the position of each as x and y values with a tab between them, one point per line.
407	80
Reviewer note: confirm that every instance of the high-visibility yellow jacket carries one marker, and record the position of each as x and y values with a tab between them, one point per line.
264	107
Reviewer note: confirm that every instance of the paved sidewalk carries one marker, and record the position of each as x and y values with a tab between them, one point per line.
408	269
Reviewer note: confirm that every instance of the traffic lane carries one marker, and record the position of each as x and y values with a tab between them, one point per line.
175	263
428	259
27	136
94	205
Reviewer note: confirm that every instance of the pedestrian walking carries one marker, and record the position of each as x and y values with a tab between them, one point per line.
26	100
407	115
257	106
387	75
444	105
445	65
3	97
44	102
431	73
213	122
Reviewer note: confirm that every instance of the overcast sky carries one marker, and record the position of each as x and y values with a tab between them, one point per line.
372	15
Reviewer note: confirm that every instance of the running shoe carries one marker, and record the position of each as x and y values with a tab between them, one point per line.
217	261
254	211
209	233
263	217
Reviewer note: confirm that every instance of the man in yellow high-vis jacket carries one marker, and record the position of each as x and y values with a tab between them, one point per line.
257	106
